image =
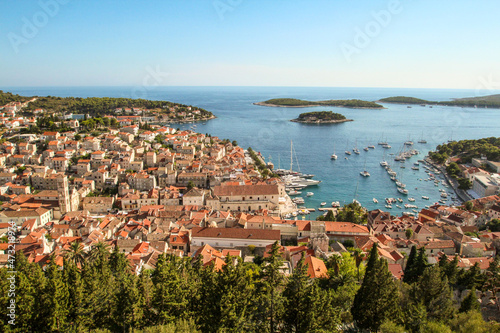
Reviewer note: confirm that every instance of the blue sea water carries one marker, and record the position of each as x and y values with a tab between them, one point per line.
269	131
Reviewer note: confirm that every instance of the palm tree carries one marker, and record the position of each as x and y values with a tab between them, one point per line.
99	251
75	254
358	256
334	262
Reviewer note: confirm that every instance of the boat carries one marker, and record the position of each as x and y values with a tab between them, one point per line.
400	200
409	143
384	163
348	152
298	200
365	173
322	204
293	192
371	147
416	163
366	149
425	197
411	199
444	195
335	204
409	107
388	206
375	200
415	168
402	191
399	184
355	149
386	146
333	156
309	194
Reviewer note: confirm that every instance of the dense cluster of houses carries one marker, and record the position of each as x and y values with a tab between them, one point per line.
159	190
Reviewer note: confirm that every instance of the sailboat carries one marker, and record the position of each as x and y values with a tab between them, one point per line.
422	140
347	152
384	162
355	149
365	173
334	156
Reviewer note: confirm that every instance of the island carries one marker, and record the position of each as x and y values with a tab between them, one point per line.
154	110
489	101
321	117
299	103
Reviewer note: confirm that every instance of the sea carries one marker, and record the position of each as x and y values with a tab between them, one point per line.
268	130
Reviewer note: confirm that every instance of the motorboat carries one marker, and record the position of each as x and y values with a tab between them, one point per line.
411	199
365	173
425	197
293	192
375	200
335	204
322	204
402	191
309	194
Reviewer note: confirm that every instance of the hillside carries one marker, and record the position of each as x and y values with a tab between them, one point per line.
293	102
490	101
95	106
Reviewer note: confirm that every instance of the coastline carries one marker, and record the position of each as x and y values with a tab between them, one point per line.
321	122
314	105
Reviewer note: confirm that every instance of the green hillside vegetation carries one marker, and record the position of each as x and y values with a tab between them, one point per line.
7	97
94	106
351	103
490	101
321	115
466	150
98	292
404	100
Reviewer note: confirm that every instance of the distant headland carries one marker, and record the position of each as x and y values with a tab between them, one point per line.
490	101
321	117
299	103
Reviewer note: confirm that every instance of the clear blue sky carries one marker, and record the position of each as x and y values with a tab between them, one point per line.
418	44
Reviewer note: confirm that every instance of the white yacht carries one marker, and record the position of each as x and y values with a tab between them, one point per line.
323	203
402	191
375	200
425	197
309	194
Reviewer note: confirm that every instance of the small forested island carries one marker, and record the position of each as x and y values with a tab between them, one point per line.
100	106
321	117
490	101
299	103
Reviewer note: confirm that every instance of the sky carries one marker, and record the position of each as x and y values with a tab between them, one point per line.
333	43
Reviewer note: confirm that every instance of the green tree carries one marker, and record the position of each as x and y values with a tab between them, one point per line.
75	254
470	302
435	294
469	205
409	272
358	256
169	296
377	299
298	288
55	299
270	289
409	233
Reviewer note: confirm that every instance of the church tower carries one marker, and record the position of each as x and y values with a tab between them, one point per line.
63	192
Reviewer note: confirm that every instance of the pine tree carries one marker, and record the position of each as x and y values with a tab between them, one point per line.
297	290
378	297
169	299
409	272
434	292
271	301
55	299
76	314
451	271
470	302
236	301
